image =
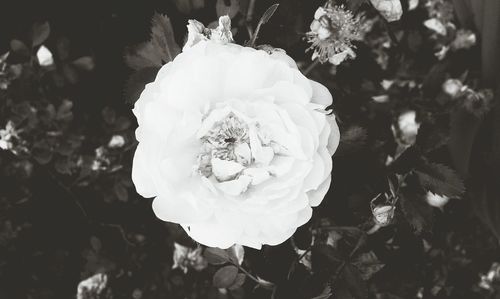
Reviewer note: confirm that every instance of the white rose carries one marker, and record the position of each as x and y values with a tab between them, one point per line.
233	144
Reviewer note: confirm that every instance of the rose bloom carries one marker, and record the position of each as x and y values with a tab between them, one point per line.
234	144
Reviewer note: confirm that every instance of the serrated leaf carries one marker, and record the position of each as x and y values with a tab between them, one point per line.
19	47
40	32
160	49
136	83
440	179
162	36
417	212
85	63
238	282
225	276
216	256
368	264
222	9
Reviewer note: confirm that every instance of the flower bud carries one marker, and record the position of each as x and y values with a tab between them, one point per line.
436	200
383	215
453	87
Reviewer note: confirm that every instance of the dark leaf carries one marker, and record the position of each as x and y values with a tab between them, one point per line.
121	192
222	9
216	256
19	47
368	264
463	129
185	6
352	139
85	63
225	276
268	14
354	5
238	282
162	37
440	179
62	48
70	73
417	212
161	49
40	32
355	283
95	243
136	83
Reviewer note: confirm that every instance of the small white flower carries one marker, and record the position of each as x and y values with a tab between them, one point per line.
7	136
436	200
92	286
186	258
413	4
391	10
436	25
332	31
407	128
453	87
383	214
44	56
116	141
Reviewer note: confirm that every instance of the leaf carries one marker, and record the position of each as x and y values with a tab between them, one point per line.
19	47
162	37
186	6
137	82
216	256
225	276
368	264
417	212
40	32
121	192
160	49
62	48
222	9
95	243
440	179
263	20
355	283
238	282
391	10
268	14
85	63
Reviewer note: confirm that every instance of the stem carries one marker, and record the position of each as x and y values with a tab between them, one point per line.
311	67
251	8
253	277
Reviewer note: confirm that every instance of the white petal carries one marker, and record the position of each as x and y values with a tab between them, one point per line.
321	94
44	56
235	187
225	170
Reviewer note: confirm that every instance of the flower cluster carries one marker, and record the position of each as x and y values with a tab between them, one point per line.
186	258
448	37
332	32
